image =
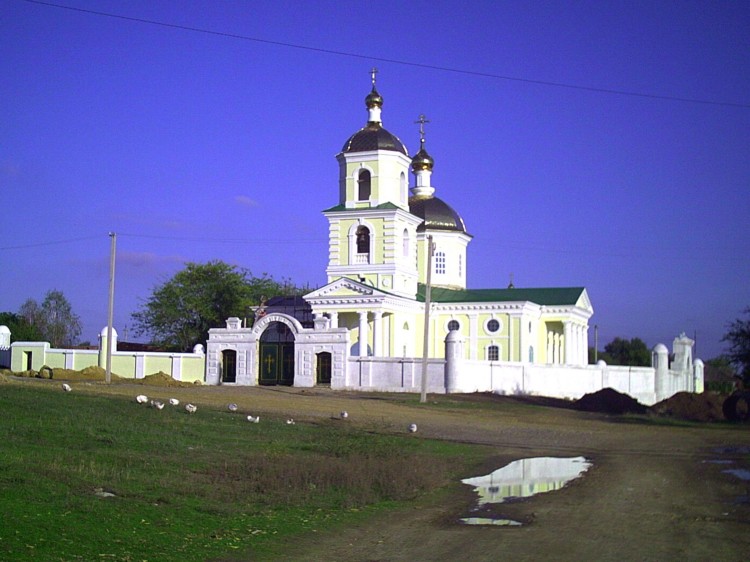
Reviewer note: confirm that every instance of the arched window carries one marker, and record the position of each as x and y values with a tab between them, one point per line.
404	194
363	185
406	243
440	263
493	353
363	240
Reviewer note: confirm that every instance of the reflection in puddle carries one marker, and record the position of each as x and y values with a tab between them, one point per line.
490	521
521	479
741	473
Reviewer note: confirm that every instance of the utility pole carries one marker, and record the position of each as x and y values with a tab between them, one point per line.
111	308
428	289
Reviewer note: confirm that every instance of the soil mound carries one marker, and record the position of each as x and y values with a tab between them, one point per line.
93	373
706	407
609	401
162	379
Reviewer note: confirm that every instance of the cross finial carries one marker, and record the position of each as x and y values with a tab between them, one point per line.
373	72
422	120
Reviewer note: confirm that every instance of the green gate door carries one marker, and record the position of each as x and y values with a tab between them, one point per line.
323	368
229	365
277	355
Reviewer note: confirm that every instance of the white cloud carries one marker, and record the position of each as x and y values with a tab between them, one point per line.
245	201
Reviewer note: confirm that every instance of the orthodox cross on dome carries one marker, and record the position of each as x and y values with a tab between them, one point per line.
422	120
373	72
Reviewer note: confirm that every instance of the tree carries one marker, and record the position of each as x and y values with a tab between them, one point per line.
633	353
179	313
738	338
54	319
20	329
719	369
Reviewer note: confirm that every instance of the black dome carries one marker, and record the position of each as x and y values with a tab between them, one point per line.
373	137
436	214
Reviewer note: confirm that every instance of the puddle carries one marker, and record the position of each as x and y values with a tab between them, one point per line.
733	450
521	479
741	473
490	521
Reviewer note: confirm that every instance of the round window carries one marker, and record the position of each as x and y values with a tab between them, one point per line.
493	326
453	326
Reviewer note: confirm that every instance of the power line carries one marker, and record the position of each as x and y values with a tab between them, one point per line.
227	240
50	243
396	61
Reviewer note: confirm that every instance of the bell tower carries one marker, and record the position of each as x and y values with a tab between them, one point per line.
372	234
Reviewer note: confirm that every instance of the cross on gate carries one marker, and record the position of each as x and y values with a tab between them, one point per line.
269	363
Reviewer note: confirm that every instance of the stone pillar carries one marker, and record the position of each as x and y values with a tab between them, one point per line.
567	352
334	319
698	376
363	333
103	346
377	334
453	361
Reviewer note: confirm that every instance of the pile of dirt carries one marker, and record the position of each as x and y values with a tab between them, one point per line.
706	407
161	379
609	401
93	373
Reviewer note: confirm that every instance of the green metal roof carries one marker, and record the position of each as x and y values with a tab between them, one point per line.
543	296
386	205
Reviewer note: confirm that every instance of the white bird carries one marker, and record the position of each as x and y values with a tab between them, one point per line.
66	387
290	421
232	407
413	428
141	398
173	402
344	415
253	419
190	409
158	404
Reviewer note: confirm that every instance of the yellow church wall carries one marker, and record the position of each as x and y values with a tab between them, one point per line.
376	239
514	350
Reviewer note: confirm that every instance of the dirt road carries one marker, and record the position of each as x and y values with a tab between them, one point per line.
655	492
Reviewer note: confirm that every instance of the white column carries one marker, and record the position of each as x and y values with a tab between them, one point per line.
550	347
586	345
334	319
568	344
377	333
363	334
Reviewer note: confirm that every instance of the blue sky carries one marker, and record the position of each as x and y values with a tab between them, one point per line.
195	146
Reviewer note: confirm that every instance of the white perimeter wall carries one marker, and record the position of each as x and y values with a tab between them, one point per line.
386	374
556	381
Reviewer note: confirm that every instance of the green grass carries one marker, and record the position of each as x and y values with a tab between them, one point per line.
190	487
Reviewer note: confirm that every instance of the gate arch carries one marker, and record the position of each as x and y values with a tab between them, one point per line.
276	335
